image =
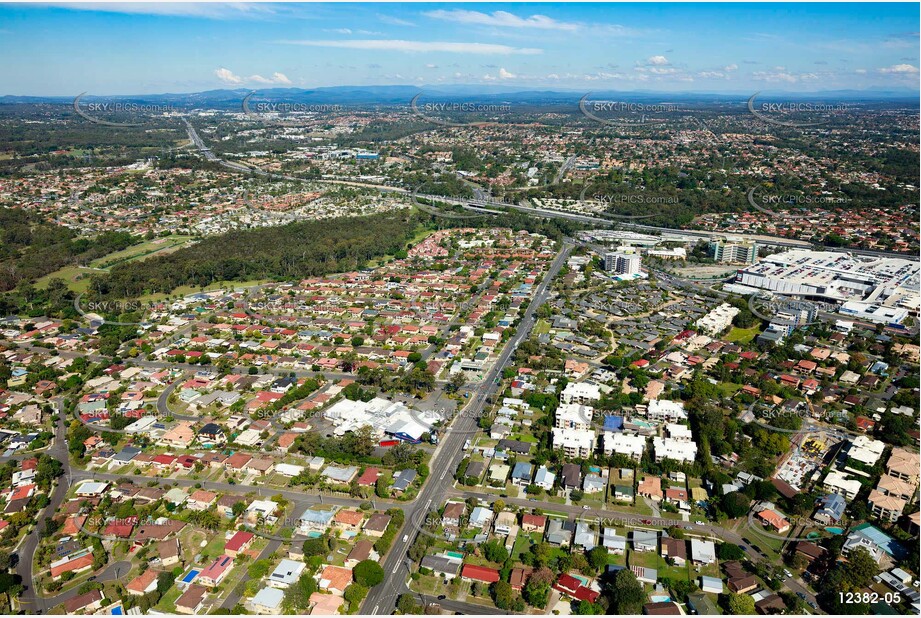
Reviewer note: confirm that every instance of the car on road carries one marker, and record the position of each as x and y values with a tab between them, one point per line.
441	597
801	595
405	537
585	507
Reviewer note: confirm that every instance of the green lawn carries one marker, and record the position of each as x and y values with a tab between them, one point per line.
728	389
743	335
140	251
168	602
522	543
77	278
648	559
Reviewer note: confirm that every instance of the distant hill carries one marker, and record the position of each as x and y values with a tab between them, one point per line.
402	95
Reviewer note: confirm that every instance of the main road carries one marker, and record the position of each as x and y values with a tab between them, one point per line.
382	598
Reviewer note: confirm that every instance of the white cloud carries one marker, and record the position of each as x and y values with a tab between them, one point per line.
860	71
503	74
502	19
421	46
781	75
280	78
227	76
204	10
731	67
339	30
899	69
230	78
394	21
657	60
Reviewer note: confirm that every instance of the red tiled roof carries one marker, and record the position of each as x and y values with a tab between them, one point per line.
480	573
238	540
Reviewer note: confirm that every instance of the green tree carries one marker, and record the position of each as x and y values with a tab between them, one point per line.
502	594
624	593
597	558
354	594
728	551
735	504
495	551
740	604
368	573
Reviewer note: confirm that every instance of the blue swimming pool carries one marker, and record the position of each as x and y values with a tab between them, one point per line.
191	575
835	530
117	611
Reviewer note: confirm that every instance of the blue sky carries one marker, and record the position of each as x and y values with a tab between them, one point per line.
59	49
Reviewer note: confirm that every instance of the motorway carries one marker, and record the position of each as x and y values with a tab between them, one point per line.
482	202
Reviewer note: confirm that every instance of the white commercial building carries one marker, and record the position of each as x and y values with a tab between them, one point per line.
881	282
574	442
624	444
574	416
718	320
622	263
866	450
681	433
875	313
676	450
383	416
580	392
666	410
842	484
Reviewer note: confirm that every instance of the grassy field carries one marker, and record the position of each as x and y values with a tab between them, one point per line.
77	278
542	327
141	251
743	335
